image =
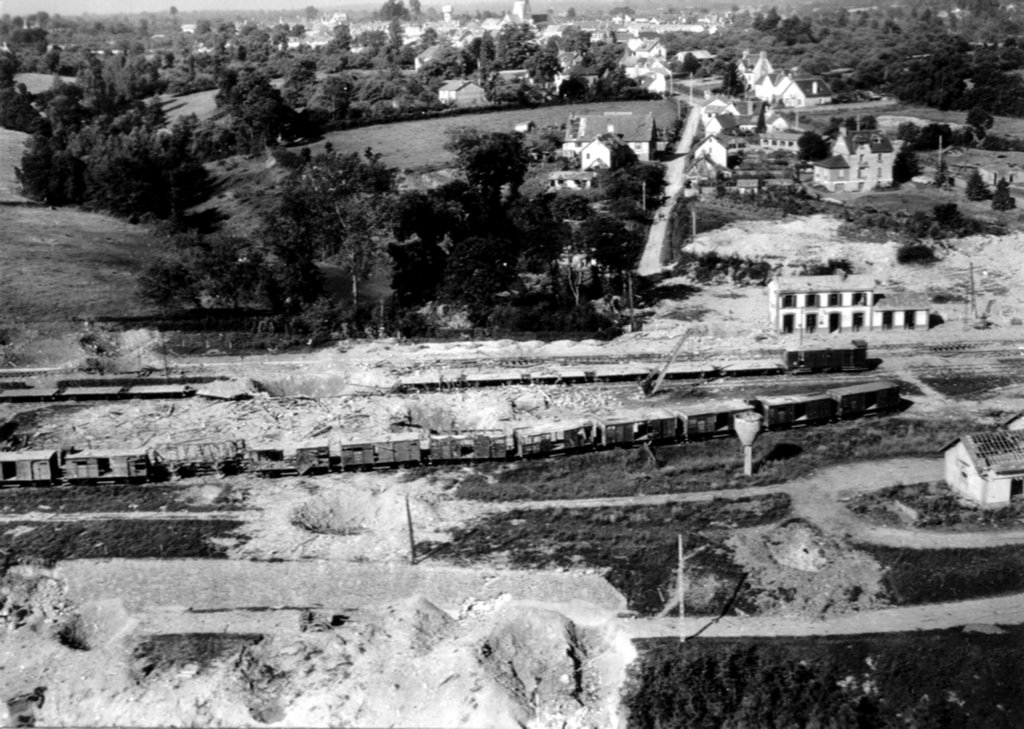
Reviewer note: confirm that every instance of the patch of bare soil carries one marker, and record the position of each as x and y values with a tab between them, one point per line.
795	569
501	664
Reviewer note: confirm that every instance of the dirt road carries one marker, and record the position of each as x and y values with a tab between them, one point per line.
675	169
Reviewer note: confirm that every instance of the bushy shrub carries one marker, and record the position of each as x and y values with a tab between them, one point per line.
915	253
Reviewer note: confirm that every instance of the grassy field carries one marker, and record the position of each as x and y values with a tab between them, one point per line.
37	83
921	679
415	144
108	497
710	465
125	538
59	264
917	576
201	103
12	145
636	544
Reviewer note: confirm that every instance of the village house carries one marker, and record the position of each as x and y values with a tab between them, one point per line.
808	91
753	71
572	180
860	160
722	124
771	86
636	131
427	56
841	303
605	152
787	141
987	468
460	92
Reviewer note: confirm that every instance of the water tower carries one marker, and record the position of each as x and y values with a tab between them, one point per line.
748	427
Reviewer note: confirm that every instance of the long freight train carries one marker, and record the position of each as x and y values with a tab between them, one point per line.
624	430
793	361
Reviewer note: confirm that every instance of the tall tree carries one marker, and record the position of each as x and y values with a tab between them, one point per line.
489	160
976	187
1002	199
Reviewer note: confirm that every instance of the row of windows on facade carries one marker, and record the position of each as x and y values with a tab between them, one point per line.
856	298
835	324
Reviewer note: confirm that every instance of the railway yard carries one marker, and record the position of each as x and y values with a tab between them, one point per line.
496	585
171	582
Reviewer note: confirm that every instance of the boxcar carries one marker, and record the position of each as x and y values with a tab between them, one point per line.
29	468
848	359
191	459
478	445
160	391
277	459
787	411
397	450
628	429
866	399
705	420
106	465
548	438
29	394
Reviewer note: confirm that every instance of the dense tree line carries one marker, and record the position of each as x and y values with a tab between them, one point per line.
472	250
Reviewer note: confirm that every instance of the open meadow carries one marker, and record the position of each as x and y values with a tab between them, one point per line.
415	144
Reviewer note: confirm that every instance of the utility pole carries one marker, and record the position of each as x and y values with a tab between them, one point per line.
679	589
974	304
412	541
643	187
693	222
632	317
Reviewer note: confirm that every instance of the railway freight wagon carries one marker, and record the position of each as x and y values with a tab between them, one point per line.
628	429
29	468
550	438
279	460
867	399
706	420
106	465
398	450
787	411
477	446
848	359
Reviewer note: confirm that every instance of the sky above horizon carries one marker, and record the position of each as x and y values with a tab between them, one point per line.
110	7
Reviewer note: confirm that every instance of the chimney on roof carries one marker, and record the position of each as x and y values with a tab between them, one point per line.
814	88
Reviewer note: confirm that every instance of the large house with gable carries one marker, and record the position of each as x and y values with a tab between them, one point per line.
637	131
861	160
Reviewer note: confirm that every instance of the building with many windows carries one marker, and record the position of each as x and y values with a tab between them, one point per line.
841	303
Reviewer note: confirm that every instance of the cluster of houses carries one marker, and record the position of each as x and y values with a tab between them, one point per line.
743	140
605	141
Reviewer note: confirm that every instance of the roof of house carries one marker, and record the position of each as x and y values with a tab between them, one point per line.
999	451
902	301
782	136
835	162
457	84
875	141
726	121
8	456
807	88
824	284
429	54
628	127
608	140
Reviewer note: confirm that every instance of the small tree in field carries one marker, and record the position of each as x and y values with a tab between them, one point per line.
941	178
976	187
1002	199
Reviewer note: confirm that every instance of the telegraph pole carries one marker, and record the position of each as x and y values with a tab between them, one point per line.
412	541
679	590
